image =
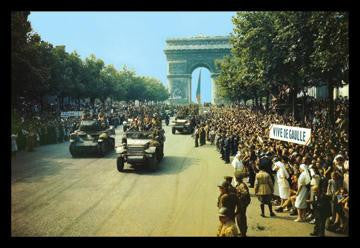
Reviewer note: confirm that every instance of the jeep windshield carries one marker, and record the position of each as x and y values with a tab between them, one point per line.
90	126
138	135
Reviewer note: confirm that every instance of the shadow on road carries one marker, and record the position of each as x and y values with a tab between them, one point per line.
36	171
169	165
175	165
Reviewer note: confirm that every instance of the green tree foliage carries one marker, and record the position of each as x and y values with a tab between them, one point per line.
297	49
39	69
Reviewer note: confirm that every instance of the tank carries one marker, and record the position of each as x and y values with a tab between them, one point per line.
91	138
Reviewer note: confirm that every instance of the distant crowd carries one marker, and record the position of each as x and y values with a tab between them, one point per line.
33	126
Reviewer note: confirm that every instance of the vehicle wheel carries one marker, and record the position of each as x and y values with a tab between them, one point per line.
153	164
173	130
161	153
112	144
73	151
120	164
102	148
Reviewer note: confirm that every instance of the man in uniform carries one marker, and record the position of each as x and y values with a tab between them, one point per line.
196	136
229	180
244	199
227	227
227	146
252	171
227	199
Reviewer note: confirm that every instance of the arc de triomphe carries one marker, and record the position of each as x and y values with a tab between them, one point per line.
184	55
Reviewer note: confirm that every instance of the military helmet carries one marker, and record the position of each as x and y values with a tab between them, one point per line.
224	212
224	184
239	175
228	178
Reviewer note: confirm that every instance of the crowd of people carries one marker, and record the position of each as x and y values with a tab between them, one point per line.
34	126
311	182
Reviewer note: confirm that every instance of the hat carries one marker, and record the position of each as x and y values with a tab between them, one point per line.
239	175
338	156
224	212
223	184
228	178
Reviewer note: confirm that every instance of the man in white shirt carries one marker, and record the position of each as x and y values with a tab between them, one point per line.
237	163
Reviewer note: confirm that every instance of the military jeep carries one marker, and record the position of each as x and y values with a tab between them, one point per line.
140	148
182	125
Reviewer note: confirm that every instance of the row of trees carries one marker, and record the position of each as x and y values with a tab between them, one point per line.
40	69
296	49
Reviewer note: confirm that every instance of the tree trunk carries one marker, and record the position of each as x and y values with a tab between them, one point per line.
331	103
92	101
267	101
41	103
293	103
304	114
62	102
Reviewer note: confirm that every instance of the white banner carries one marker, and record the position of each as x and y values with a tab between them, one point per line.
71	114
296	135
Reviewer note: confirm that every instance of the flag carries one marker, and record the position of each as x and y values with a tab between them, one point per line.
198	89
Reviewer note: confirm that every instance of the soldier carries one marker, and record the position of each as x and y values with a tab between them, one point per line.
227	227
227	149
264	188
244	199
196	136
252	170
227	199
229	180
202	135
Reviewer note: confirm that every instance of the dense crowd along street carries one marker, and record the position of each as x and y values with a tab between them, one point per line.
239	135
100	150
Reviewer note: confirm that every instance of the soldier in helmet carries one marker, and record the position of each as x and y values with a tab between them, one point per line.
243	194
227	199
86	116
227	227
229	180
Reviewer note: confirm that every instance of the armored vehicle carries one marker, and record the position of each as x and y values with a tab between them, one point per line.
91	137
141	148
182	125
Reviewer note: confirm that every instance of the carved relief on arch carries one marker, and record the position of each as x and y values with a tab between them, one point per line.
177	67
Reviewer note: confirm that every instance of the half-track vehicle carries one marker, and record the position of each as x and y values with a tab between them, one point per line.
141	148
182	125
90	138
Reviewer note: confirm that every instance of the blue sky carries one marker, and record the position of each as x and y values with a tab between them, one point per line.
134	39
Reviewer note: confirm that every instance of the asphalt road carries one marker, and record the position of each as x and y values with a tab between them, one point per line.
54	194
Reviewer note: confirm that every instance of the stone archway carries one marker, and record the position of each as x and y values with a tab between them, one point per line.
184	55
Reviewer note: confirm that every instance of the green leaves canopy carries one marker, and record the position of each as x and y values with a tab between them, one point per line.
39	69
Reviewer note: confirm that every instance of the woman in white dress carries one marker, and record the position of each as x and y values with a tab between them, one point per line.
283	184
14	147
302	192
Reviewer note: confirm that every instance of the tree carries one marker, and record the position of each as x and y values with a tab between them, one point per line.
93	83
330	59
